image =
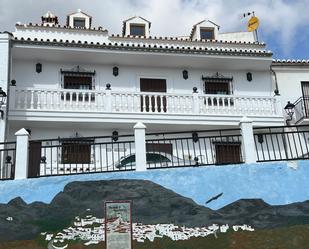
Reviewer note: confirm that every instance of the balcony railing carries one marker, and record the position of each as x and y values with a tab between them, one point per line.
142	102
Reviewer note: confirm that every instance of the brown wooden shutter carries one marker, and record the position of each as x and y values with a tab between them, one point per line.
228	153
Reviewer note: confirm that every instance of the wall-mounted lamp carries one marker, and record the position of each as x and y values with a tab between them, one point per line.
289	109
38	67
8	160
195	137
115	136
249	76
185	74
2	102
260	138
194	89
115	71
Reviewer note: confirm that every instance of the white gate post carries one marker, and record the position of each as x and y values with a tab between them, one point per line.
140	146
21	162
248	145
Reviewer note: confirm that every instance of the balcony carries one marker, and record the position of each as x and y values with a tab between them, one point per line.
168	107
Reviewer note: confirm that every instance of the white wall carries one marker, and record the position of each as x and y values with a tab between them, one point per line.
289	82
237	36
128	78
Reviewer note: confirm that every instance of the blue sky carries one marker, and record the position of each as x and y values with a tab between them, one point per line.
284	23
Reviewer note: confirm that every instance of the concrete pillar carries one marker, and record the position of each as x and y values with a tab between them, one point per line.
21	163
5	56
248	145
140	146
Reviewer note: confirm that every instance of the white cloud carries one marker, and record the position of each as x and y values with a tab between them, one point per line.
287	19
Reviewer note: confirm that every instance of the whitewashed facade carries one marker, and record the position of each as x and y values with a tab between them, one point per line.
41	103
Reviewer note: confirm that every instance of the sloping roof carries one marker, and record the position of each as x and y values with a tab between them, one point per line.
79	11
277	62
153	48
129	19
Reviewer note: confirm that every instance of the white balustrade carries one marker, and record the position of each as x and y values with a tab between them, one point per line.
61	100
143	102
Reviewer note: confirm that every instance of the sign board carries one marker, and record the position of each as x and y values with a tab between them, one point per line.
118	225
253	24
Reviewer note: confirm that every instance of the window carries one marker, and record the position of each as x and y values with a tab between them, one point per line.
217	88
74	152
207	34
137	30
79	22
77	82
228	153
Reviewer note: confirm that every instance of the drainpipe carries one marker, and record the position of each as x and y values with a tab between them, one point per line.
276	80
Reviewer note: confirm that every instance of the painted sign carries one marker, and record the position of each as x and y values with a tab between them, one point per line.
253	23
118	225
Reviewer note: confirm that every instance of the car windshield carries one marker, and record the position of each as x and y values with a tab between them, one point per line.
150	158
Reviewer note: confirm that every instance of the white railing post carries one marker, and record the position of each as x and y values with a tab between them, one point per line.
196	106
108	99
21	162
140	146
248	146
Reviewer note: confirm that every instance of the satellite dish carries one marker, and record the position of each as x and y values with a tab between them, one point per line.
253	24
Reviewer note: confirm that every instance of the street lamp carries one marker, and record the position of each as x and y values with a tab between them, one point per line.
2	101
289	109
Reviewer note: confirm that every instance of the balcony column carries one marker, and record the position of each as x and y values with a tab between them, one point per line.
248	146
21	162
108	99
196	106
140	146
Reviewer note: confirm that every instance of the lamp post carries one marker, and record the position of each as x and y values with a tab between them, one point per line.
289	109
2	102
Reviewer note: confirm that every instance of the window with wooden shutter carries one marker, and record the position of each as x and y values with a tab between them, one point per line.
227	153
76	152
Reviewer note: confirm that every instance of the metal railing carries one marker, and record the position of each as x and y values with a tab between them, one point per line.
282	143
7	160
197	148
67	156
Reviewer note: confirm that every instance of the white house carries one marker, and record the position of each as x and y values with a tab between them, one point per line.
76	80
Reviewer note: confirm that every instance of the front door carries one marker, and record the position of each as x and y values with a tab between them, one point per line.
305	91
149	103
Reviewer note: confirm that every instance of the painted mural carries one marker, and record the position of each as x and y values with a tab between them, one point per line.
179	209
